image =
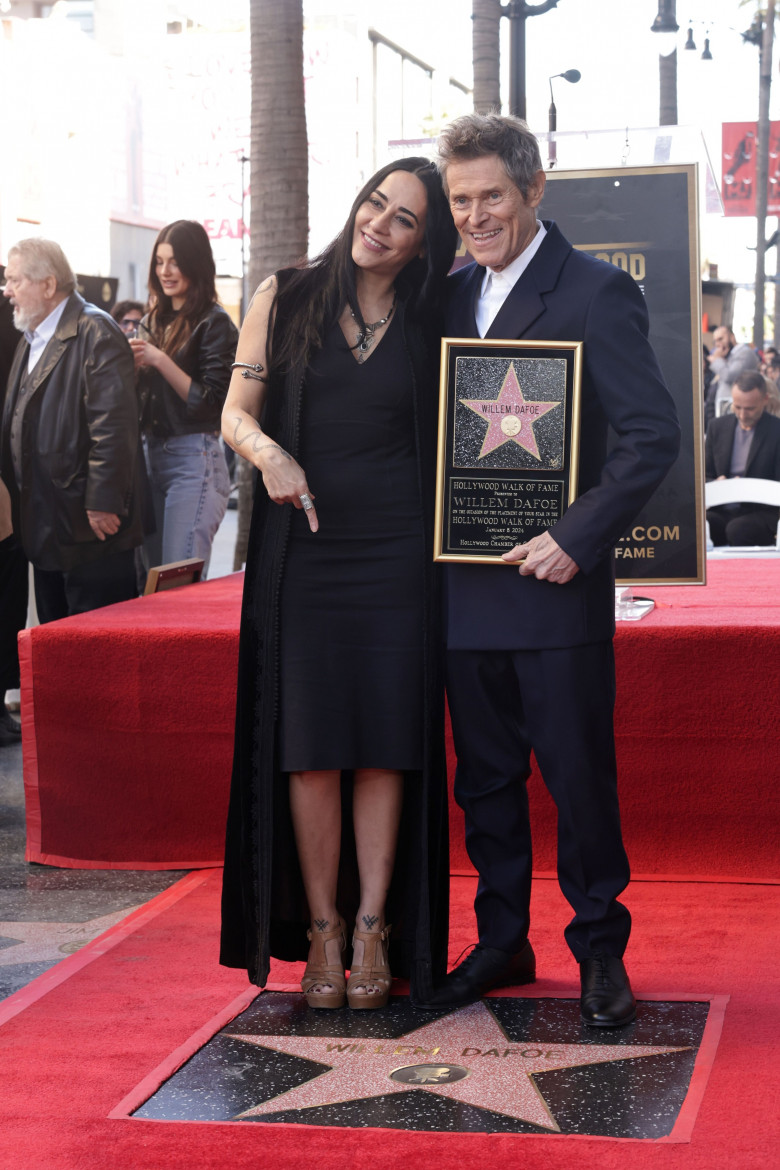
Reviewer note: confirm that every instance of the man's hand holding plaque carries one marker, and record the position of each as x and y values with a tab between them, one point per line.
544	559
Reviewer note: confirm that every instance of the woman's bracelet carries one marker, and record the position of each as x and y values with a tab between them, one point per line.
250	370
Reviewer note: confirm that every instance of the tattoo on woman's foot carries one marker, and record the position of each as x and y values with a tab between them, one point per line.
321	923
370	920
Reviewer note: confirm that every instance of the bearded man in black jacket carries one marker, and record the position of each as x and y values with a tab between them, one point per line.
69	444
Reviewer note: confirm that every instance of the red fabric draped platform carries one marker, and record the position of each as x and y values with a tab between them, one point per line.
128	715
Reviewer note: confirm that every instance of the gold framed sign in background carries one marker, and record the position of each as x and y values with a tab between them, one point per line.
508	455
645	221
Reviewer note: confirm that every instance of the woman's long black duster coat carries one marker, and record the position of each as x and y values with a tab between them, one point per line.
264	909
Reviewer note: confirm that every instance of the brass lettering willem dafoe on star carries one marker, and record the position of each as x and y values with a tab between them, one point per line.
509	423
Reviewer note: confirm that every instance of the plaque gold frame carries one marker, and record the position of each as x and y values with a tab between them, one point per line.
446	470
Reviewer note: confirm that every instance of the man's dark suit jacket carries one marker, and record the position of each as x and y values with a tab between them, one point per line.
565	295
763	459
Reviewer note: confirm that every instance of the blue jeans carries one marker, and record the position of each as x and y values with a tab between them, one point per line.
190	488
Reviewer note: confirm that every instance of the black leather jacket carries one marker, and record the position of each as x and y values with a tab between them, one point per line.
74	436
206	356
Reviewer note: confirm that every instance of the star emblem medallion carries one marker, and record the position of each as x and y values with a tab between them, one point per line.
510	416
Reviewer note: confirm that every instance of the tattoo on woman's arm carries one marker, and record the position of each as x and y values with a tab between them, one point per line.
267	283
257	441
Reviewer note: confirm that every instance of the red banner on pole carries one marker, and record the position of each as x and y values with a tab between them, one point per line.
740	147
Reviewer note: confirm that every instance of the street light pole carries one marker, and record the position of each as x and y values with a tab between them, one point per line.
518	12
572	76
517	17
666	23
762	169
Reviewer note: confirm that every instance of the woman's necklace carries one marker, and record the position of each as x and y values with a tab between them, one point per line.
365	337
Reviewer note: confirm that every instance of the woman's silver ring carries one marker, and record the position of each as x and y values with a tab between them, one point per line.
306	501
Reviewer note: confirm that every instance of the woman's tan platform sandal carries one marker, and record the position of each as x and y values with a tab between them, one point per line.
374	970
318	971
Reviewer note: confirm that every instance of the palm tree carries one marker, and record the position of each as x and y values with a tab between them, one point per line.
279	153
485	52
279	168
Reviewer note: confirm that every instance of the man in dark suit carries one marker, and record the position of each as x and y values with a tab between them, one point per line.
746	442
542	677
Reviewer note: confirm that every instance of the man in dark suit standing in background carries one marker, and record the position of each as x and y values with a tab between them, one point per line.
542	677
746	442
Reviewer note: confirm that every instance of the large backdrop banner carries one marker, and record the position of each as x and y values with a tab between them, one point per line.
645	220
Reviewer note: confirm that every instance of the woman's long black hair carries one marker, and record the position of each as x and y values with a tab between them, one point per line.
191	246
313	296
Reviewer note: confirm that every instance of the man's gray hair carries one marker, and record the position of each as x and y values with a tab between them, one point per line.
43	258
477	135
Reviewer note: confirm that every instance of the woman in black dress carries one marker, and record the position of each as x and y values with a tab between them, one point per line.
338	800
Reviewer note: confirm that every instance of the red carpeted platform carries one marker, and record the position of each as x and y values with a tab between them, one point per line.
78	1042
128	731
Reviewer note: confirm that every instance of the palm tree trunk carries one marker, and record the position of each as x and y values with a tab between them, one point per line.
279	168
486	56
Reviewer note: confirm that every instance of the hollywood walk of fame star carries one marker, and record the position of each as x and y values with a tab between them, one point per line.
35	942
511	416
465	1056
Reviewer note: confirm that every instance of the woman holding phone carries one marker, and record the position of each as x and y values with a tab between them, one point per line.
183	354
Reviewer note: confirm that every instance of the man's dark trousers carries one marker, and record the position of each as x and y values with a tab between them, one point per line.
13	610
85	587
558	703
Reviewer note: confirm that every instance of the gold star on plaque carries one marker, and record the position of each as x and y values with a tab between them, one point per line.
510	417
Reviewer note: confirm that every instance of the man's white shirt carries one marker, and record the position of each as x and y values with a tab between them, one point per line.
497	286
40	337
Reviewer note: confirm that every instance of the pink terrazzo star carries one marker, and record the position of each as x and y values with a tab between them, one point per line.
465	1056
511	416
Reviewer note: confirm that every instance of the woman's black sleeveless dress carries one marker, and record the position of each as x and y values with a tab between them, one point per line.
351	631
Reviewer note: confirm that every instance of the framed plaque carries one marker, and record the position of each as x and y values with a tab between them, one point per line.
509	414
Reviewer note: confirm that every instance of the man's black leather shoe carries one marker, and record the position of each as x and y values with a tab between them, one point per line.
481	971
10	730
607	1000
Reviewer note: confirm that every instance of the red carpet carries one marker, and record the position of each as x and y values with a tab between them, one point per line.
138	993
697	732
129	710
